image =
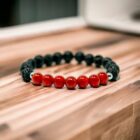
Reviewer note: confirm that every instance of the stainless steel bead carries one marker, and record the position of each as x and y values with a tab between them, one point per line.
110	76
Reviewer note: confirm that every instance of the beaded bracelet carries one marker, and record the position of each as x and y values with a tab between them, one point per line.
111	74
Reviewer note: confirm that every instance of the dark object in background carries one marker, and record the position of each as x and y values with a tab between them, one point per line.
136	16
14	12
6	12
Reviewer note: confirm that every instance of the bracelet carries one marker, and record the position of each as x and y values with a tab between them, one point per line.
111	74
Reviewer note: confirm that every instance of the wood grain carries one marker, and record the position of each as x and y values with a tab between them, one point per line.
35	113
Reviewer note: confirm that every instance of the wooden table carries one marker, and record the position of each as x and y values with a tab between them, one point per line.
110	112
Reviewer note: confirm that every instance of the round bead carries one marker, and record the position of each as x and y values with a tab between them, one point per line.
48	60
31	62
114	71
68	56
94	81
82	81
111	64
114	65
26	74
37	79
89	59
98	60
79	56
59	81
71	82
25	65
106	60
103	78
47	80
39	61
110	76
57	57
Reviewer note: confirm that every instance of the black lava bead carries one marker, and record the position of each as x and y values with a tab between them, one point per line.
68	56
25	65
48	60
89	59
79	56
31	62
106	60
116	66
39	61
26	74
98	60
114	72
57	57
112	64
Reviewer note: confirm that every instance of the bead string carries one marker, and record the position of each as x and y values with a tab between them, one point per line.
102	78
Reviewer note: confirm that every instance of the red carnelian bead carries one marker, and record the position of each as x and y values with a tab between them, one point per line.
59	81
47	80
82	81
37	79
103	78
94	81
71	82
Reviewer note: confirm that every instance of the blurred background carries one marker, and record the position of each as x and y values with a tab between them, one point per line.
16	12
111	14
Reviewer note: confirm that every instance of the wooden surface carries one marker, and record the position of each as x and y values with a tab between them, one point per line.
35	113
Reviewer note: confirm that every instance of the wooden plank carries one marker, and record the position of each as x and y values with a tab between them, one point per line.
106	113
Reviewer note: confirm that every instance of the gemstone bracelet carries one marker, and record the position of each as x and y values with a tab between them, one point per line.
102	78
